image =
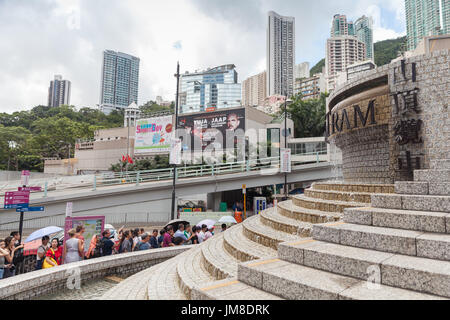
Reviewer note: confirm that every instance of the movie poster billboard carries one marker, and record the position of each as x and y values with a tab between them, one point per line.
212	127
153	135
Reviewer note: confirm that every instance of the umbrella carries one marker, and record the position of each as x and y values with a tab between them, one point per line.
227	219
38	234
210	223
175	223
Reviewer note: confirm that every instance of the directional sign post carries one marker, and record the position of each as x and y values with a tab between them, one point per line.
30	209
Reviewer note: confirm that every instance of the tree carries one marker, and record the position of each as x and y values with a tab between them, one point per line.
308	116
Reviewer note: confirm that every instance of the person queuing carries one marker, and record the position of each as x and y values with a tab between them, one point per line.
144	243
18	253
168	237
125	243
41	251
202	233
54	254
3	254
154	240
73	248
224	227
10	248
106	243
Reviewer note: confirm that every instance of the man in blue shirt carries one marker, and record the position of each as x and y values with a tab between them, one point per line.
107	243
180	232
144	243
154	240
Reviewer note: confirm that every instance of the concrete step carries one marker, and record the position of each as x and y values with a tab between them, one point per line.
405	242
443	164
442	188
275	220
288	209
191	270
339	195
324	205
438	222
433	176
219	263
230	289
412	202
258	232
242	248
295	282
162	283
413	273
353	187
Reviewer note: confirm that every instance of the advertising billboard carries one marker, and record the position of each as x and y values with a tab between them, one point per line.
212	126
153	135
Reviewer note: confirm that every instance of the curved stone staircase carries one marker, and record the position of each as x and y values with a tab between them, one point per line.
214	263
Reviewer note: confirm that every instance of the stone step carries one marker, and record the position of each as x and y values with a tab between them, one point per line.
351	187
438	222
275	220
295	282
405	242
131	288
288	209
191	270
162	283
230	289
412	273
442	188
433	176
412	202
219	263
339	195
324	205
440	164
411	187
258	232
242	248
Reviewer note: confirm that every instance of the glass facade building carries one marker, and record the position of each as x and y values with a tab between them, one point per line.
59	92
364	33
426	18
209	90
120	81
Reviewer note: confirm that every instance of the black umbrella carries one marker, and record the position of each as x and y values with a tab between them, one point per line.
175	223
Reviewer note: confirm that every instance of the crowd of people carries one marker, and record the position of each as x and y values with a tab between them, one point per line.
55	252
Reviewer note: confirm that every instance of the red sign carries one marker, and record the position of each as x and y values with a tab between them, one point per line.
25	172
30	188
17	197
210	109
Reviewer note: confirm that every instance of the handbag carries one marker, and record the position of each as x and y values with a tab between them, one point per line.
46	265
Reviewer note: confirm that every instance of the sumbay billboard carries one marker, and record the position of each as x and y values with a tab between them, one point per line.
153	135
212	127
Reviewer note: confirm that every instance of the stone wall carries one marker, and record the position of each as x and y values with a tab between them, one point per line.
48	281
408	126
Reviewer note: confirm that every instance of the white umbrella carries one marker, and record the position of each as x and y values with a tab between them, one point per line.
38	234
227	219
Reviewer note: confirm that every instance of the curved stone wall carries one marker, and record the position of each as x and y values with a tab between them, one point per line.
392	120
41	282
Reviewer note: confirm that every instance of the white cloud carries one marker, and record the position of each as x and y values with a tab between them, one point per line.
48	37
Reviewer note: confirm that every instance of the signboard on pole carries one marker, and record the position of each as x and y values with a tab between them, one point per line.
17	199
30	209
244	189
93	226
153	135
69	207
25	178
29	188
285	160
175	152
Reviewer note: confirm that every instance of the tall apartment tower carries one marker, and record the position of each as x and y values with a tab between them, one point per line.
280	54
343	49
426	18
59	92
120	81
301	70
254	90
364	33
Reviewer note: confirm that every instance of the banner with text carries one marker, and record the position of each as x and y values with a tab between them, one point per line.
153	135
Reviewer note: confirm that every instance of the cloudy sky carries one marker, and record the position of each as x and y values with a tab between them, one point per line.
41	38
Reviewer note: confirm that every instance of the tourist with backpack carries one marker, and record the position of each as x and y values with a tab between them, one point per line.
106	243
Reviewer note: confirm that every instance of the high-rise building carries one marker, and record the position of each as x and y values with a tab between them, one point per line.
59	92
310	87
340	26
215	88
280	54
426	18
120	81
343	49
254	90
301	70
364	33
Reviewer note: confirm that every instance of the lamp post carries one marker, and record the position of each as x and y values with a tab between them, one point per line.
174	208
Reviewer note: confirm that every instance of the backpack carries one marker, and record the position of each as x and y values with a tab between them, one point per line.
98	251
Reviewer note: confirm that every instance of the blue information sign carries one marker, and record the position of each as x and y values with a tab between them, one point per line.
15	206
28	209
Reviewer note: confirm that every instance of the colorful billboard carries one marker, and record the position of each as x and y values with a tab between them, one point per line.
222	122
153	135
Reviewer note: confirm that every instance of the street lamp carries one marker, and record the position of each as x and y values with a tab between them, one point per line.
286	134
174	208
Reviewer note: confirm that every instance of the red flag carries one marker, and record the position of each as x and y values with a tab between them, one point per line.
130	160
124	159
